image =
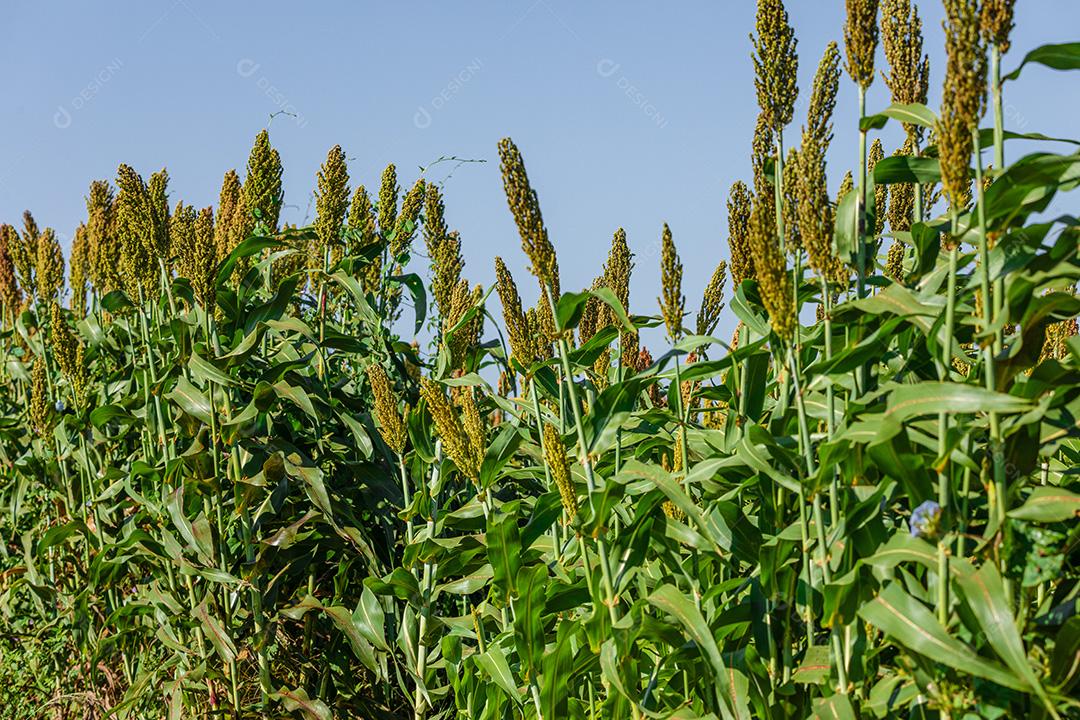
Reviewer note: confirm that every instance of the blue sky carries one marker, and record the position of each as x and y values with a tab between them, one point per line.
629	114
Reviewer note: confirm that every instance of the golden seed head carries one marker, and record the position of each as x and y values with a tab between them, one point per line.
475	430
590	320
388	199
10	294
443	248
230	205
559	466
823	97
738	208
157	193
617	269
909	68
541	328
456	442
774	281
331	204
776	64
78	270
362	223
816	213
391	424
405	226
881	192
69	354
790	203
860	40
672	301
847	184
902	196
262	190
196	251
997	23
134	226
23	249
894	261
525	207
761	153
713	301
104	270
963	98
466	337
522	342
40	409
49	267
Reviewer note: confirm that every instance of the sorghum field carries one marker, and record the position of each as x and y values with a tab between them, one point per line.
233	485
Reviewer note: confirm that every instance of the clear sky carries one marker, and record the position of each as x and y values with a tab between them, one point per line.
628	114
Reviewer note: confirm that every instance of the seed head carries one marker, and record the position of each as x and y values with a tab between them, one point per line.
559	466
860	40
816	213
388	198
909	69
464	338
997	23
49	270
362	223
449	429
331	204
23	249
881	191
963	98
475	429
105	253
790	203
134	227
229	220
823	97
617	269
196	251
672	301
902	197
78	269
894	261
776	64
40	409
738	208
525	207
761	153
69	354
522	342
405	226
157	193
10	294
713	301
262	191
391	424
774	281
443	248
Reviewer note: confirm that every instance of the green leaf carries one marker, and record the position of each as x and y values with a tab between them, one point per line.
419	295
493	662
191	400
984	595
931	398
909	623
914	114
1064	56
504	553
569	308
1048	504
213	630
528	626
907	169
668	599
554	682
